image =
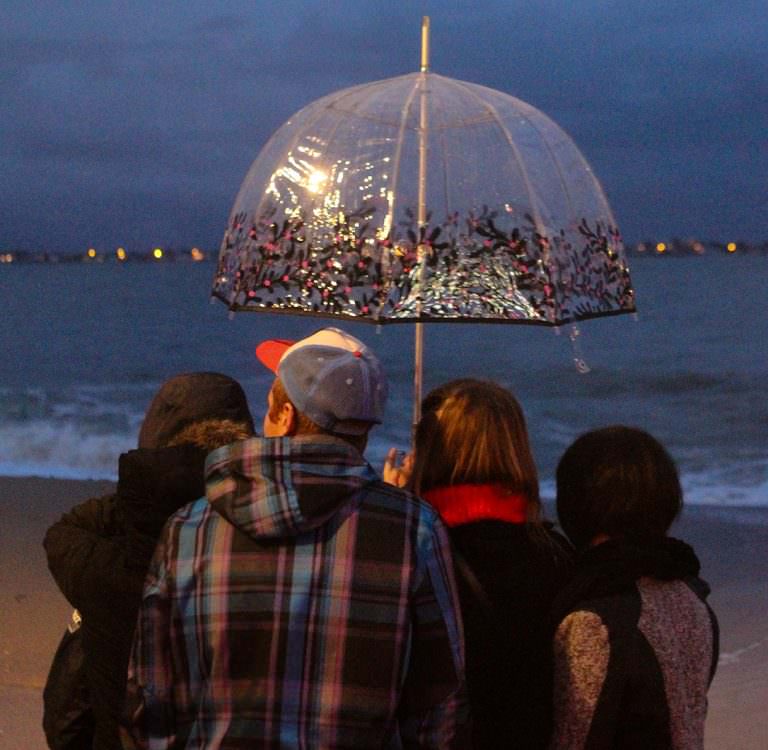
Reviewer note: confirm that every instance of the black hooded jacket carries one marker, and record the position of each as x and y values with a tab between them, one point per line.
99	552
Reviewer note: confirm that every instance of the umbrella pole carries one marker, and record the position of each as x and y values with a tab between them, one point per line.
418	354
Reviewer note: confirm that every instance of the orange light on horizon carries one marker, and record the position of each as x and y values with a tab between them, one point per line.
197	254
120	252
661	247
731	247
158	252
91	252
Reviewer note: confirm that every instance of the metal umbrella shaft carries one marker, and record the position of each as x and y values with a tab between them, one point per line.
421	215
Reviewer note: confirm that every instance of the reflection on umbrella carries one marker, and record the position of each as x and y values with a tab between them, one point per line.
423	198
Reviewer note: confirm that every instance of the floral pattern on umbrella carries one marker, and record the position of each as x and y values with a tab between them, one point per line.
478	267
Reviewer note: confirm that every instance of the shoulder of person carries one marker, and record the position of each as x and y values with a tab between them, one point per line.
400	496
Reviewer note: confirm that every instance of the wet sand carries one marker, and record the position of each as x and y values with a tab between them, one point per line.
33	614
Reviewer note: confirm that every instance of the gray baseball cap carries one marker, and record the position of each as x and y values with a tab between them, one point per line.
330	377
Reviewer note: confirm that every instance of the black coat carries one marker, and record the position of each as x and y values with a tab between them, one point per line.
99	553
507	628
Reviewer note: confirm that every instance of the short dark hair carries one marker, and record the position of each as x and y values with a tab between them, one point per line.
618	481
304	425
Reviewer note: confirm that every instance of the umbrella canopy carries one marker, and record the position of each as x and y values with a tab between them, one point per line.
423	198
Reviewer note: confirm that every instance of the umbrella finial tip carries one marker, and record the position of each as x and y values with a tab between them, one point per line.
424	44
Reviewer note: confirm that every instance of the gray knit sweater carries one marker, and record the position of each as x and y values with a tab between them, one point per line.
634	655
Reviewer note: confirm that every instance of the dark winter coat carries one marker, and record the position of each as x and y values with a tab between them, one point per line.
99	553
507	628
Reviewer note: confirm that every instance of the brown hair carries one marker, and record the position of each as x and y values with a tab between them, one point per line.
474	432
304	425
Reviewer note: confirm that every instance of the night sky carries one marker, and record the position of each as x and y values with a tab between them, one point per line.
134	123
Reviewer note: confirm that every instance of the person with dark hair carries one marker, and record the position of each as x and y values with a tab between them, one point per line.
99	551
472	461
304	602
636	644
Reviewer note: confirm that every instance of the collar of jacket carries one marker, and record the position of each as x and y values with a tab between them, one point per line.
613	567
271	488
465	503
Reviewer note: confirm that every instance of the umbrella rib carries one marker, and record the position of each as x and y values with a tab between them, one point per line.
563	183
585	165
446	181
322	109
510	141
399	149
294	141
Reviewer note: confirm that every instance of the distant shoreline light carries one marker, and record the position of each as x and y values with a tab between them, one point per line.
170	254
119	255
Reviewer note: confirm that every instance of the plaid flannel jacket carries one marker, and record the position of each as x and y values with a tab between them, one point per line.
303	604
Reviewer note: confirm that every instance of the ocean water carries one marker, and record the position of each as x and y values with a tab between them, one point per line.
85	347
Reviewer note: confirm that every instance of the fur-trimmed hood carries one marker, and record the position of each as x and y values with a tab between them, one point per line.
153	483
189	398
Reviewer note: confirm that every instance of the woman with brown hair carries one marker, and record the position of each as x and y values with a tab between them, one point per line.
472	461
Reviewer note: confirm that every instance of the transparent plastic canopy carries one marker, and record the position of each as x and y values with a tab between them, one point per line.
423	198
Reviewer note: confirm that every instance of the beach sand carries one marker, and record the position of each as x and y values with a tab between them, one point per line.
33	614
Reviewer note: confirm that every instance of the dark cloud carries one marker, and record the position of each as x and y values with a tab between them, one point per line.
141	120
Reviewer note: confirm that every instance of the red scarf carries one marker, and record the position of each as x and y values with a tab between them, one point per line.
464	503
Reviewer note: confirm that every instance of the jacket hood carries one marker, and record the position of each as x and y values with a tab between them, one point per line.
192	397
272	488
153	483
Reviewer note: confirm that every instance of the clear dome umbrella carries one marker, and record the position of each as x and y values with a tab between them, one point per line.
423	198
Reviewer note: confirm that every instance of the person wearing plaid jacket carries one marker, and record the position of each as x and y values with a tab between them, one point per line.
303	603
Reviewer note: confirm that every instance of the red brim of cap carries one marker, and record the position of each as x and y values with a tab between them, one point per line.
269	352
